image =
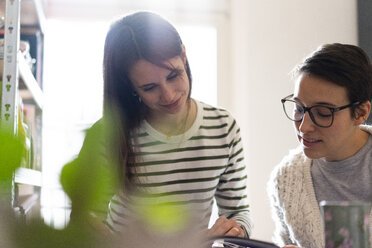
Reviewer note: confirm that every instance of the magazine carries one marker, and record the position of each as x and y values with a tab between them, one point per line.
236	242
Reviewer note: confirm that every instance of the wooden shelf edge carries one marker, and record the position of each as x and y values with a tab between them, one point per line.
28	176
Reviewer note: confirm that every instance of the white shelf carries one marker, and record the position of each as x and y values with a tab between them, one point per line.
18	79
40	14
28	176
32	13
26	202
29	80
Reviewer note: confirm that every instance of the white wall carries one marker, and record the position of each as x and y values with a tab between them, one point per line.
269	37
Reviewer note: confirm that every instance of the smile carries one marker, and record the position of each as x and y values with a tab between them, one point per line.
172	105
310	142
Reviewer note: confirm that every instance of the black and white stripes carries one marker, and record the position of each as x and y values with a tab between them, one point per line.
192	169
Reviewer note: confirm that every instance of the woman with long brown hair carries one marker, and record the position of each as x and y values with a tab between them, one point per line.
171	148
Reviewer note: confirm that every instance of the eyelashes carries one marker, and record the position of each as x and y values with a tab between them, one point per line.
148	88
174	74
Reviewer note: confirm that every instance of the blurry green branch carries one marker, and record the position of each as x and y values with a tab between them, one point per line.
89	181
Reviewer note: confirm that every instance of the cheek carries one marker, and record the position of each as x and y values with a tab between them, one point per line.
296	125
340	127
187	87
148	99
184	83
333	134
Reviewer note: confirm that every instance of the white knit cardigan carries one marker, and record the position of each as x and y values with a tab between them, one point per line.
294	206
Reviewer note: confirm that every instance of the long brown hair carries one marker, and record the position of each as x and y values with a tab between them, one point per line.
142	35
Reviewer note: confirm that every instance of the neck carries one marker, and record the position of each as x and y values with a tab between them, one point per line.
359	140
172	125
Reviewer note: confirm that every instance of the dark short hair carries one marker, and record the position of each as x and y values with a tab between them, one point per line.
342	64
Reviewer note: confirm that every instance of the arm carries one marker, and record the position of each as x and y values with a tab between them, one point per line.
231	194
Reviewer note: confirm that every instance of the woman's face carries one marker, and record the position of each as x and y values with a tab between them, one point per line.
334	143
164	92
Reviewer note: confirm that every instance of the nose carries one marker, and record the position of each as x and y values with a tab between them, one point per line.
166	94
307	124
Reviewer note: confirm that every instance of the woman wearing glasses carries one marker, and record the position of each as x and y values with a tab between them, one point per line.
333	162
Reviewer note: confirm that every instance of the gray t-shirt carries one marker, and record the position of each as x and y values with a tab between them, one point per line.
346	180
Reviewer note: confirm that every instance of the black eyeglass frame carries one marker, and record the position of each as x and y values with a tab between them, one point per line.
308	109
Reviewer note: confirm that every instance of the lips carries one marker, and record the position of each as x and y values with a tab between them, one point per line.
308	142
172	105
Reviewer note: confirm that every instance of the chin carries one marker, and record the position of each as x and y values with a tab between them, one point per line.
311	153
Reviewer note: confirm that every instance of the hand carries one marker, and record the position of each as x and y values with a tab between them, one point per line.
224	226
97	225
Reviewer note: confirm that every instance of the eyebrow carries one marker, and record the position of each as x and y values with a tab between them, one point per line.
174	70
317	103
325	103
147	85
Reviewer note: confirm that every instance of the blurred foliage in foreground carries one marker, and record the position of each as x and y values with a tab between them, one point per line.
86	180
89	180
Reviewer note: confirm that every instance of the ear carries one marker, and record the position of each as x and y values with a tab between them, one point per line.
362	112
183	54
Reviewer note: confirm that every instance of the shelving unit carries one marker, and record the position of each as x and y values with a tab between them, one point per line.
32	89
28	176
20	82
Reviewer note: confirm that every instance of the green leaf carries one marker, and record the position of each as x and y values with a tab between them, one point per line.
11	152
91	179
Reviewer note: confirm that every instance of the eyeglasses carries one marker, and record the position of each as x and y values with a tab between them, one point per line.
322	116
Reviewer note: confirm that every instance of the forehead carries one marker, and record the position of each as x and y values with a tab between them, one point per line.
314	90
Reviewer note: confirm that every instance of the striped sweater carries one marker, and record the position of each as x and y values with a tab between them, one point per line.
191	170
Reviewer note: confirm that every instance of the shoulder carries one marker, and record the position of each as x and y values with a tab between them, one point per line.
366	128
290	169
219	118
211	112
295	158
210	108
287	182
